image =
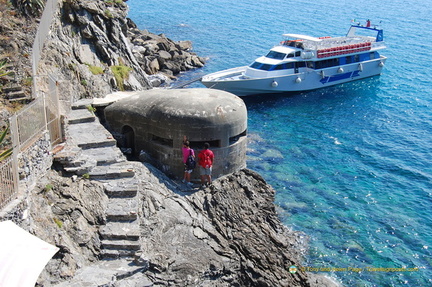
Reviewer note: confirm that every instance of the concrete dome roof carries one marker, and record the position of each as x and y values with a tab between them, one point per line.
183	108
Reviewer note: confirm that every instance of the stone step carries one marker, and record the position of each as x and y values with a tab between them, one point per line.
82	104
115	170
102	273
85	168
11	89
67	154
121	188
9	78
105	155
96	144
80	116
121	245
90	135
22	100
121	231
117	254
122	209
16	95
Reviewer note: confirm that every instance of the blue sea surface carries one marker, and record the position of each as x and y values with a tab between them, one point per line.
351	164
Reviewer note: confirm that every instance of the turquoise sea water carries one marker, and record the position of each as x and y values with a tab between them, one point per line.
351	164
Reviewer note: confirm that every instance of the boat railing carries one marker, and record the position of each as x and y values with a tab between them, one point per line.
378	45
345	49
226	74
342	41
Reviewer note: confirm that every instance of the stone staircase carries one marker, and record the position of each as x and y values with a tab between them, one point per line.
121	234
91	152
14	93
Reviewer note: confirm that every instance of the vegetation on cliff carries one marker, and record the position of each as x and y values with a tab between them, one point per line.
226	235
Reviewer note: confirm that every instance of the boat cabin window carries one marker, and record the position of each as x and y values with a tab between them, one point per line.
297	54
300	64
328	63
261	66
356	58
294	43
256	65
341	61
276	55
267	67
284	66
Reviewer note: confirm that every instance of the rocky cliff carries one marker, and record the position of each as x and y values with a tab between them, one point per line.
94	50
16	38
226	235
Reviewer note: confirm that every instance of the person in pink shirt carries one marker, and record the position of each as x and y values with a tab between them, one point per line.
187	151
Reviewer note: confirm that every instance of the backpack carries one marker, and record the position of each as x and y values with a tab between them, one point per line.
190	162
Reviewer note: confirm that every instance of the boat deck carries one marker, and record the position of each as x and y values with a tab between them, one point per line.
330	47
327	42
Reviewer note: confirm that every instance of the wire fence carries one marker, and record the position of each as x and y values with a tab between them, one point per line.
8	181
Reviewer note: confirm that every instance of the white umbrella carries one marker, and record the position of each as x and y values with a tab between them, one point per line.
22	256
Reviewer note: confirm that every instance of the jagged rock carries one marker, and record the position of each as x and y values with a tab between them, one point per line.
67	214
17	34
97	33
225	235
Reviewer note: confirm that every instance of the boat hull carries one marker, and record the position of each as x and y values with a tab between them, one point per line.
308	79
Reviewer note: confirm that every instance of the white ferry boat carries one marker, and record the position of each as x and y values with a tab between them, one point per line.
301	63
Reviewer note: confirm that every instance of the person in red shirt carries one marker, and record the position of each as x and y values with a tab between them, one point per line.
206	158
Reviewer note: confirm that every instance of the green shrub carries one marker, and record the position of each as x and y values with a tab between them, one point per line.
108	14
121	73
58	222
91	109
95	70
48	187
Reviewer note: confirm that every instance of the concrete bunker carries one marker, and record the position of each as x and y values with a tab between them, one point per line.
155	122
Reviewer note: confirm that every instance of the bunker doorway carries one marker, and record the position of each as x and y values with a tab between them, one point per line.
128	141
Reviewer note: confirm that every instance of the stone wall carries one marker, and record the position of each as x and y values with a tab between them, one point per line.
33	164
35	160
